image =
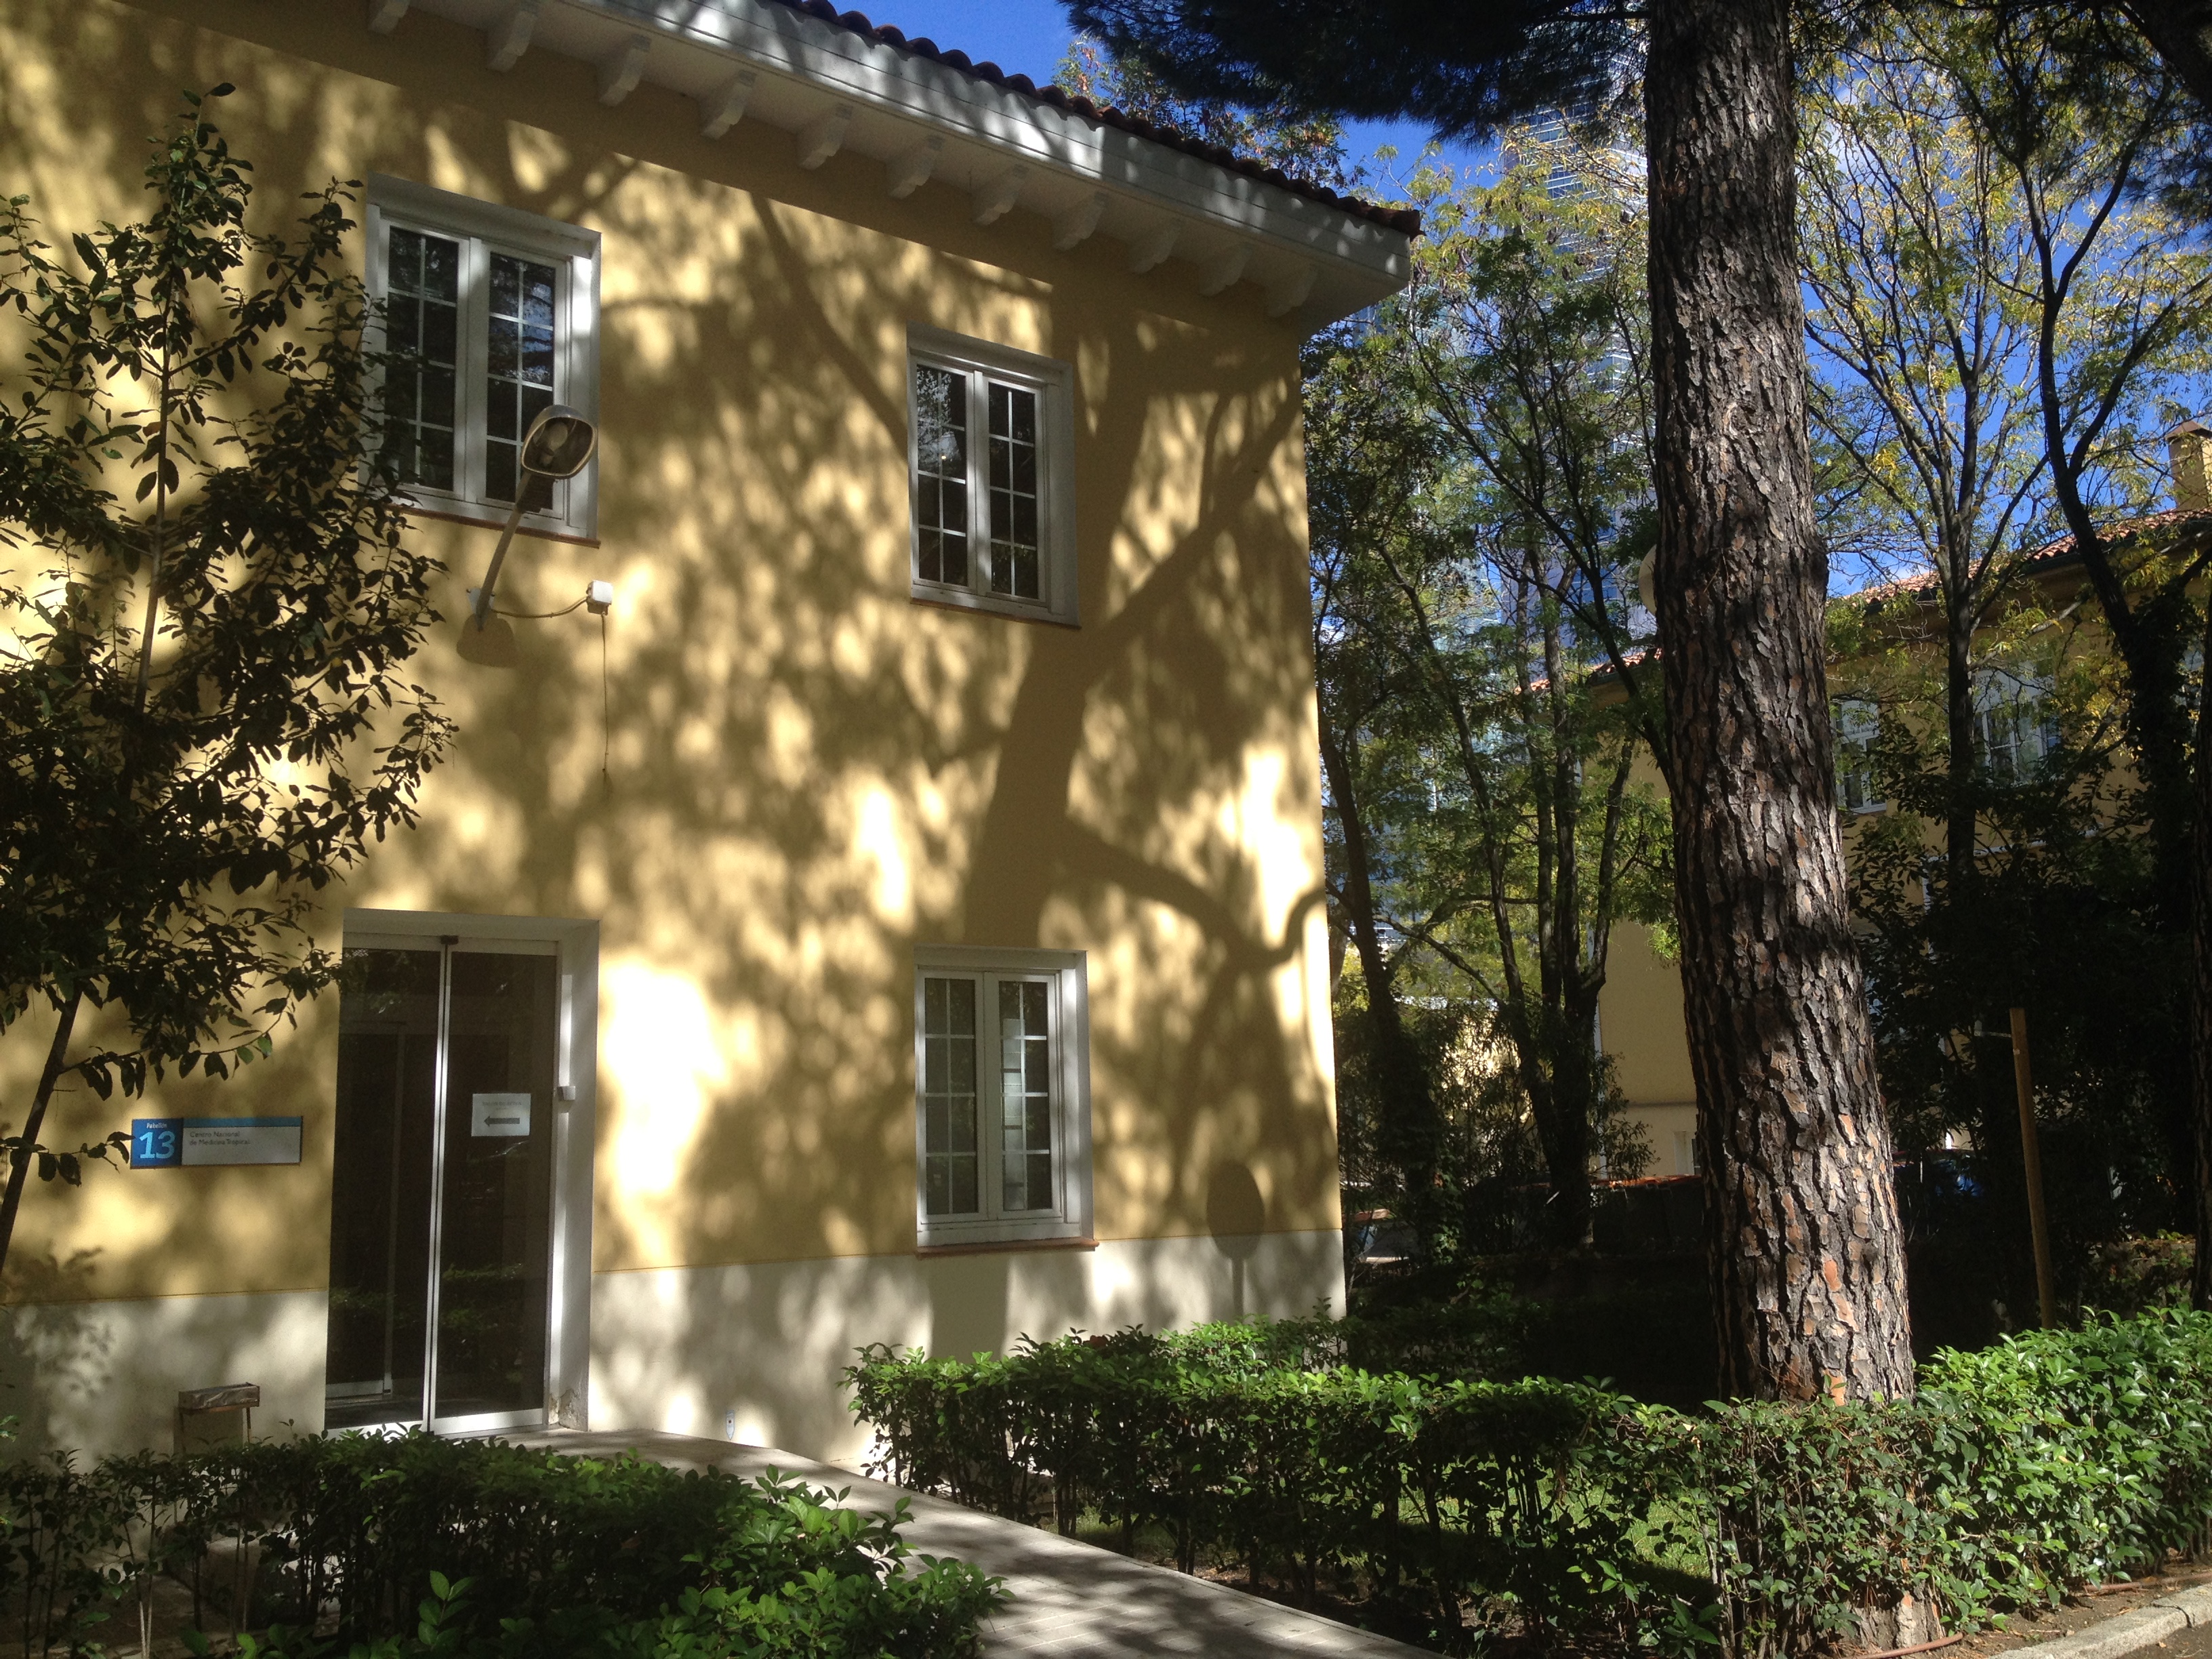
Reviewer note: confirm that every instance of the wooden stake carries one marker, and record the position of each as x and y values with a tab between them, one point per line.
2031	1157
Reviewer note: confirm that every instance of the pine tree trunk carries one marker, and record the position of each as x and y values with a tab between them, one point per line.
1801	1227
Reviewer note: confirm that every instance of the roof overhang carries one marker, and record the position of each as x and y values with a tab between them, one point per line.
1173	212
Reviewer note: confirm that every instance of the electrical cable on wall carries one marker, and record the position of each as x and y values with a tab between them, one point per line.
540	615
600	597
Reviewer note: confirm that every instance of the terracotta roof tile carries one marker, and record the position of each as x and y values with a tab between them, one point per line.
2053	555
1407	220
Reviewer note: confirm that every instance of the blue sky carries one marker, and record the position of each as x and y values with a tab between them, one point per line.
1029	37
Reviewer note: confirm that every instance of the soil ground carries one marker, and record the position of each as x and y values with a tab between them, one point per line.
2105	1601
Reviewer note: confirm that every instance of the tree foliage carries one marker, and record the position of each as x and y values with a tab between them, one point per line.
1464	68
1480	479
1805	1254
1995	323
208	598
1280	133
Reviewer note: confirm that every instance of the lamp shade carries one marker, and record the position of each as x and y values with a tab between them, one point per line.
560	441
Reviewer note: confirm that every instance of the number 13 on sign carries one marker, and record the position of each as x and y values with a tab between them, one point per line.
156	1143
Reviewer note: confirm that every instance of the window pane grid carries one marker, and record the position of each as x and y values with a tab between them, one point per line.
941	474
1857	724
952	1148
422	323
1025	1095
2014	738
992	1130
1013	490
518	375
989	499
2014	727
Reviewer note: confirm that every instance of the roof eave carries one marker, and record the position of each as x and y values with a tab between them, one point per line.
1305	261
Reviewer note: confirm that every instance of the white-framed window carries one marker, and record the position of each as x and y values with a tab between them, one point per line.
2014	725
1857	723
1686	1152
492	314
1002	1096
990	468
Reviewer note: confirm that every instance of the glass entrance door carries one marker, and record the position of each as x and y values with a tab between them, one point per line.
441	1213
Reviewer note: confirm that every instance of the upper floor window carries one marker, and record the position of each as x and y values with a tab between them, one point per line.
991	469
491	314
2016	726
1857	724
1001	1096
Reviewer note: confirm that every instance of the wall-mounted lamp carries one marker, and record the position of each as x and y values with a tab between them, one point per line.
558	444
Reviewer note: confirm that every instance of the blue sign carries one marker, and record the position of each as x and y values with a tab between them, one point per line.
157	1143
188	1143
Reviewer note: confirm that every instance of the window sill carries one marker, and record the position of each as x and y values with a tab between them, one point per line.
998	1246
1011	610
525	528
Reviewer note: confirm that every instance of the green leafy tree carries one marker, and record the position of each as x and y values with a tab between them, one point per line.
1493	428
1803	1238
189	444
1372	462
2090	53
2117	122
1969	294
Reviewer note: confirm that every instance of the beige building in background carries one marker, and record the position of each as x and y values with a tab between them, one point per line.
1640	1016
899	917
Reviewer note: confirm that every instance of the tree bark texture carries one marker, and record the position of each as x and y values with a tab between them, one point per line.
1801	1227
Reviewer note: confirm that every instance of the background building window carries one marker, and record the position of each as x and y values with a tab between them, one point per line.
2014	725
1857	724
1686	1152
490	314
991	472
1001	1084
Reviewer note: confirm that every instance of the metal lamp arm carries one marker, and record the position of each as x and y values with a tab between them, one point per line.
483	611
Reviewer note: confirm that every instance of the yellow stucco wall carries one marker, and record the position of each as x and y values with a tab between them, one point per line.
1640	1019
806	772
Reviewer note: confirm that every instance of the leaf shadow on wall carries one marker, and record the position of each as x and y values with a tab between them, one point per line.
808	774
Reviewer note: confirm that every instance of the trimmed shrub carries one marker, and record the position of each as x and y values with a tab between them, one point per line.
1456	1507
421	1544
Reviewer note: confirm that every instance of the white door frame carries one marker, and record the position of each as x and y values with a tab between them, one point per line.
569	1278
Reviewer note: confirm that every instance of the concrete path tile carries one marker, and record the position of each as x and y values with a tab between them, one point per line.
1072	1601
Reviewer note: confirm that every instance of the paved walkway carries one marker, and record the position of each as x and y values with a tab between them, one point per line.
1072	1601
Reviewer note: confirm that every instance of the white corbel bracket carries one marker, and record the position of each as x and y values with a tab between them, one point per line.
996	198
824	137
905	173
1286	295
509	38
1224	270
725	106
1151	250
1075	224
620	73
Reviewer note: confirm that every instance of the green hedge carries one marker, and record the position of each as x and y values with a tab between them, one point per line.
420	1544
1456	1506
